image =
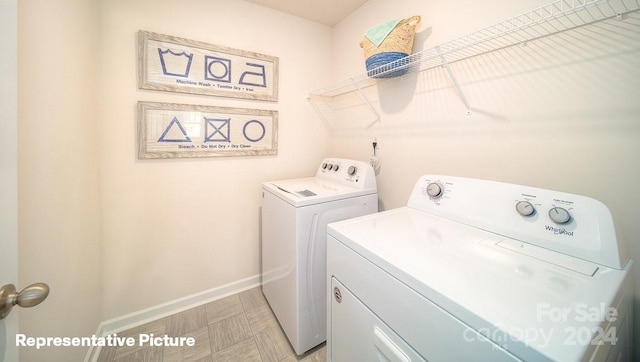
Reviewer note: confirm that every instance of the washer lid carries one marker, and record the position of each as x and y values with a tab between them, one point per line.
312	190
522	303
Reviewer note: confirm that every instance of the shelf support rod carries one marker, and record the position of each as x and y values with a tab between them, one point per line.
445	64
326	118
364	97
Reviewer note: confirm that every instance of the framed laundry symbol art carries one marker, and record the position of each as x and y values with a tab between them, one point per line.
170	130
173	64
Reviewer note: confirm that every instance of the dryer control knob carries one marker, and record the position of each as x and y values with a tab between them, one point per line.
434	189
352	170
525	208
559	215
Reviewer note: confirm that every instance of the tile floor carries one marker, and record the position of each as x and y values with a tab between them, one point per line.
238	328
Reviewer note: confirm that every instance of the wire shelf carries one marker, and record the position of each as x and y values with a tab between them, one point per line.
546	20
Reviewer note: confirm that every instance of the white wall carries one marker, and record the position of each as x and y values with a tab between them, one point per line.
58	195
173	228
560	113
112	234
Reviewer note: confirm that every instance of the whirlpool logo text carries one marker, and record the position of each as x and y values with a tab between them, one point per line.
558	231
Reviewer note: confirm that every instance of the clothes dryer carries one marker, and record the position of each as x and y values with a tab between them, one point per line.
476	270
295	214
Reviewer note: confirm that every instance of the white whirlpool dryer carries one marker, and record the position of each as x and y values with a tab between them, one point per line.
295	214
474	270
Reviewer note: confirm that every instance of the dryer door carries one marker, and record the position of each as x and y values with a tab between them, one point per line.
359	335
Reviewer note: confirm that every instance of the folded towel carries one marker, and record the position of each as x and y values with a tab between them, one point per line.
378	33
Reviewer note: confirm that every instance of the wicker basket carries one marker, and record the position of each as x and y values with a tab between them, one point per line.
397	45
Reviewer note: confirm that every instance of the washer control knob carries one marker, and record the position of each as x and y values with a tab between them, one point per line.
352	170
525	208
559	215
324	165
434	189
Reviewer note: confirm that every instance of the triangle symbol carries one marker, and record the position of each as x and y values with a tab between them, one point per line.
174	136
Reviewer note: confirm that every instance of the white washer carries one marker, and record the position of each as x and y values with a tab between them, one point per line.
483	271
295	214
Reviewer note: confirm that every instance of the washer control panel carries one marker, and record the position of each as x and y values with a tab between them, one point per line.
347	172
571	224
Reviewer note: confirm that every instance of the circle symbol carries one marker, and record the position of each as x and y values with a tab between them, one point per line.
252	138
217	66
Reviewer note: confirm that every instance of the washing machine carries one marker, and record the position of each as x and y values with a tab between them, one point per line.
295	214
476	270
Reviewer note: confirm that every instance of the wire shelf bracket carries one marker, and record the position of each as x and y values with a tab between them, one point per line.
446	66
366	100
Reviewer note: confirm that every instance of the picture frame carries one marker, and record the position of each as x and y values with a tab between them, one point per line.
171	130
173	64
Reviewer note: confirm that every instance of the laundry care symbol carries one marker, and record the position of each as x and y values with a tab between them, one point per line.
170	132
220	130
250	132
178	64
215	130
174	64
217	69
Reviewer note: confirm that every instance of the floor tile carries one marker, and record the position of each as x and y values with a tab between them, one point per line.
261	318
257	310
273	345
187	321
205	359
228	332
156	328
107	354
316	354
148	354
319	355
200	350
245	351
241	327
252	298
223	308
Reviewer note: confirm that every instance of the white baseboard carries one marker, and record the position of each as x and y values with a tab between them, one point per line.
141	317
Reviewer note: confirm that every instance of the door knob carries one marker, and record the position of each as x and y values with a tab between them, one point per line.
30	296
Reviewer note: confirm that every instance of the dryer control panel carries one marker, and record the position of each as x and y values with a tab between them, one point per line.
574	225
